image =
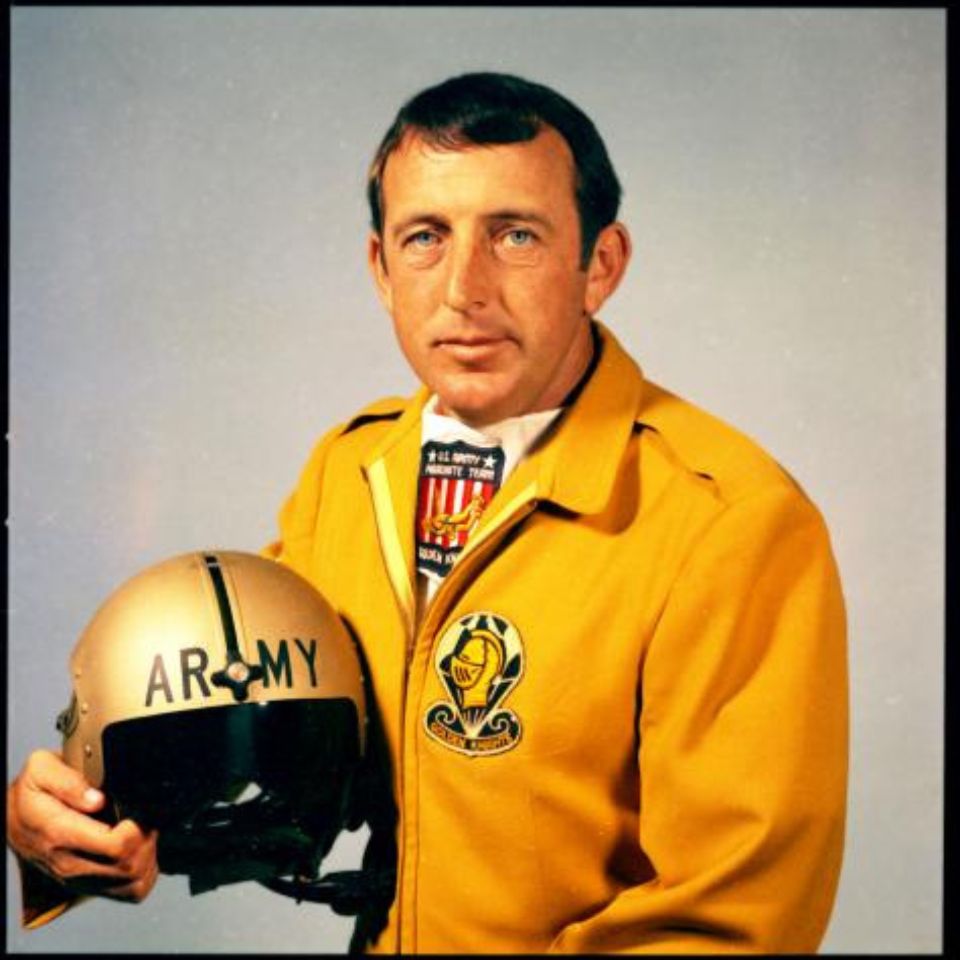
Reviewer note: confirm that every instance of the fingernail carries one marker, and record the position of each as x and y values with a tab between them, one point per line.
92	796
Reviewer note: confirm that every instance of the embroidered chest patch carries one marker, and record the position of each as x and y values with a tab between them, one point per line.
479	660
457	482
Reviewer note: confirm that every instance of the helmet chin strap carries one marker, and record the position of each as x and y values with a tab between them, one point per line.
347	892
253	840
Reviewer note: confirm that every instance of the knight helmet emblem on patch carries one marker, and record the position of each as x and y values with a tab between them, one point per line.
479	660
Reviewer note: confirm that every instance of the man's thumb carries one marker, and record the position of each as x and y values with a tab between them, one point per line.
52	774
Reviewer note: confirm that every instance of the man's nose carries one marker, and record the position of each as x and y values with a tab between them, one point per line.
470	275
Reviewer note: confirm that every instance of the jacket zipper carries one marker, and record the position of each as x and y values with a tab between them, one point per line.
514	513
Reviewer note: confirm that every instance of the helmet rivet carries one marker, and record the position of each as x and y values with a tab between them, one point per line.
238	671
87	750
84	707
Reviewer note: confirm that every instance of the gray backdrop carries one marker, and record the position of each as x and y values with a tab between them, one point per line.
190	309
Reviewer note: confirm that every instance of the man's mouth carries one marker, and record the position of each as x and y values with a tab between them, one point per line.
473	348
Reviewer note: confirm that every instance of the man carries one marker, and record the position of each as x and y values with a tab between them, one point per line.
604	630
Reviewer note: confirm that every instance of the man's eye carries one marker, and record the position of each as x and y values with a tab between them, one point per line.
519	237
422	239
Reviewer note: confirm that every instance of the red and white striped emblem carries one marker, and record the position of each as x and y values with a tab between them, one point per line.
457	482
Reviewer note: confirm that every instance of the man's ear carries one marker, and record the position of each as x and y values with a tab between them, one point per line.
608	263
378	270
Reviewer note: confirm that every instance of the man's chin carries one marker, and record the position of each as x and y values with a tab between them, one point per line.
473	409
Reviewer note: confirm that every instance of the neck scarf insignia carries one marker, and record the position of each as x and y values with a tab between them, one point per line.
457	483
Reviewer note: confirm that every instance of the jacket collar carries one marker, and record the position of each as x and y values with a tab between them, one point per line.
576	468
574	465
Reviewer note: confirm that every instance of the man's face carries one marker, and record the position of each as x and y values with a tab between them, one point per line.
480	271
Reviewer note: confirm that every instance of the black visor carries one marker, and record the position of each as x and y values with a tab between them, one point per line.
191	774
162	770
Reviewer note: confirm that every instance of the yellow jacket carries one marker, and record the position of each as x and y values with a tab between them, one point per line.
641	744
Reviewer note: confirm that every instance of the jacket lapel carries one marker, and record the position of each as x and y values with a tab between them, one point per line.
391	471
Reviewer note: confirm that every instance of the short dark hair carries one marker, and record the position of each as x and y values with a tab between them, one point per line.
485	108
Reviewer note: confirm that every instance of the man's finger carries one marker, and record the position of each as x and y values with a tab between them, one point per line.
132	846
81	866
47	772
109	884
67	828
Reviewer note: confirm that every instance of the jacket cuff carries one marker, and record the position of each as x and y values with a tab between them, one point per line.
42	898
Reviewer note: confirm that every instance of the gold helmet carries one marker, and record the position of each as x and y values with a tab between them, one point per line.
218	697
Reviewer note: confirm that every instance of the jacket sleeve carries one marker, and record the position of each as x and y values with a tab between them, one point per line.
743	746
298	515
42	898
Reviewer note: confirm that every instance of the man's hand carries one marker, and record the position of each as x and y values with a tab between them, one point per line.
50	825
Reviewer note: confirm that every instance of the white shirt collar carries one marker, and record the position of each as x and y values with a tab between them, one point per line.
516	435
